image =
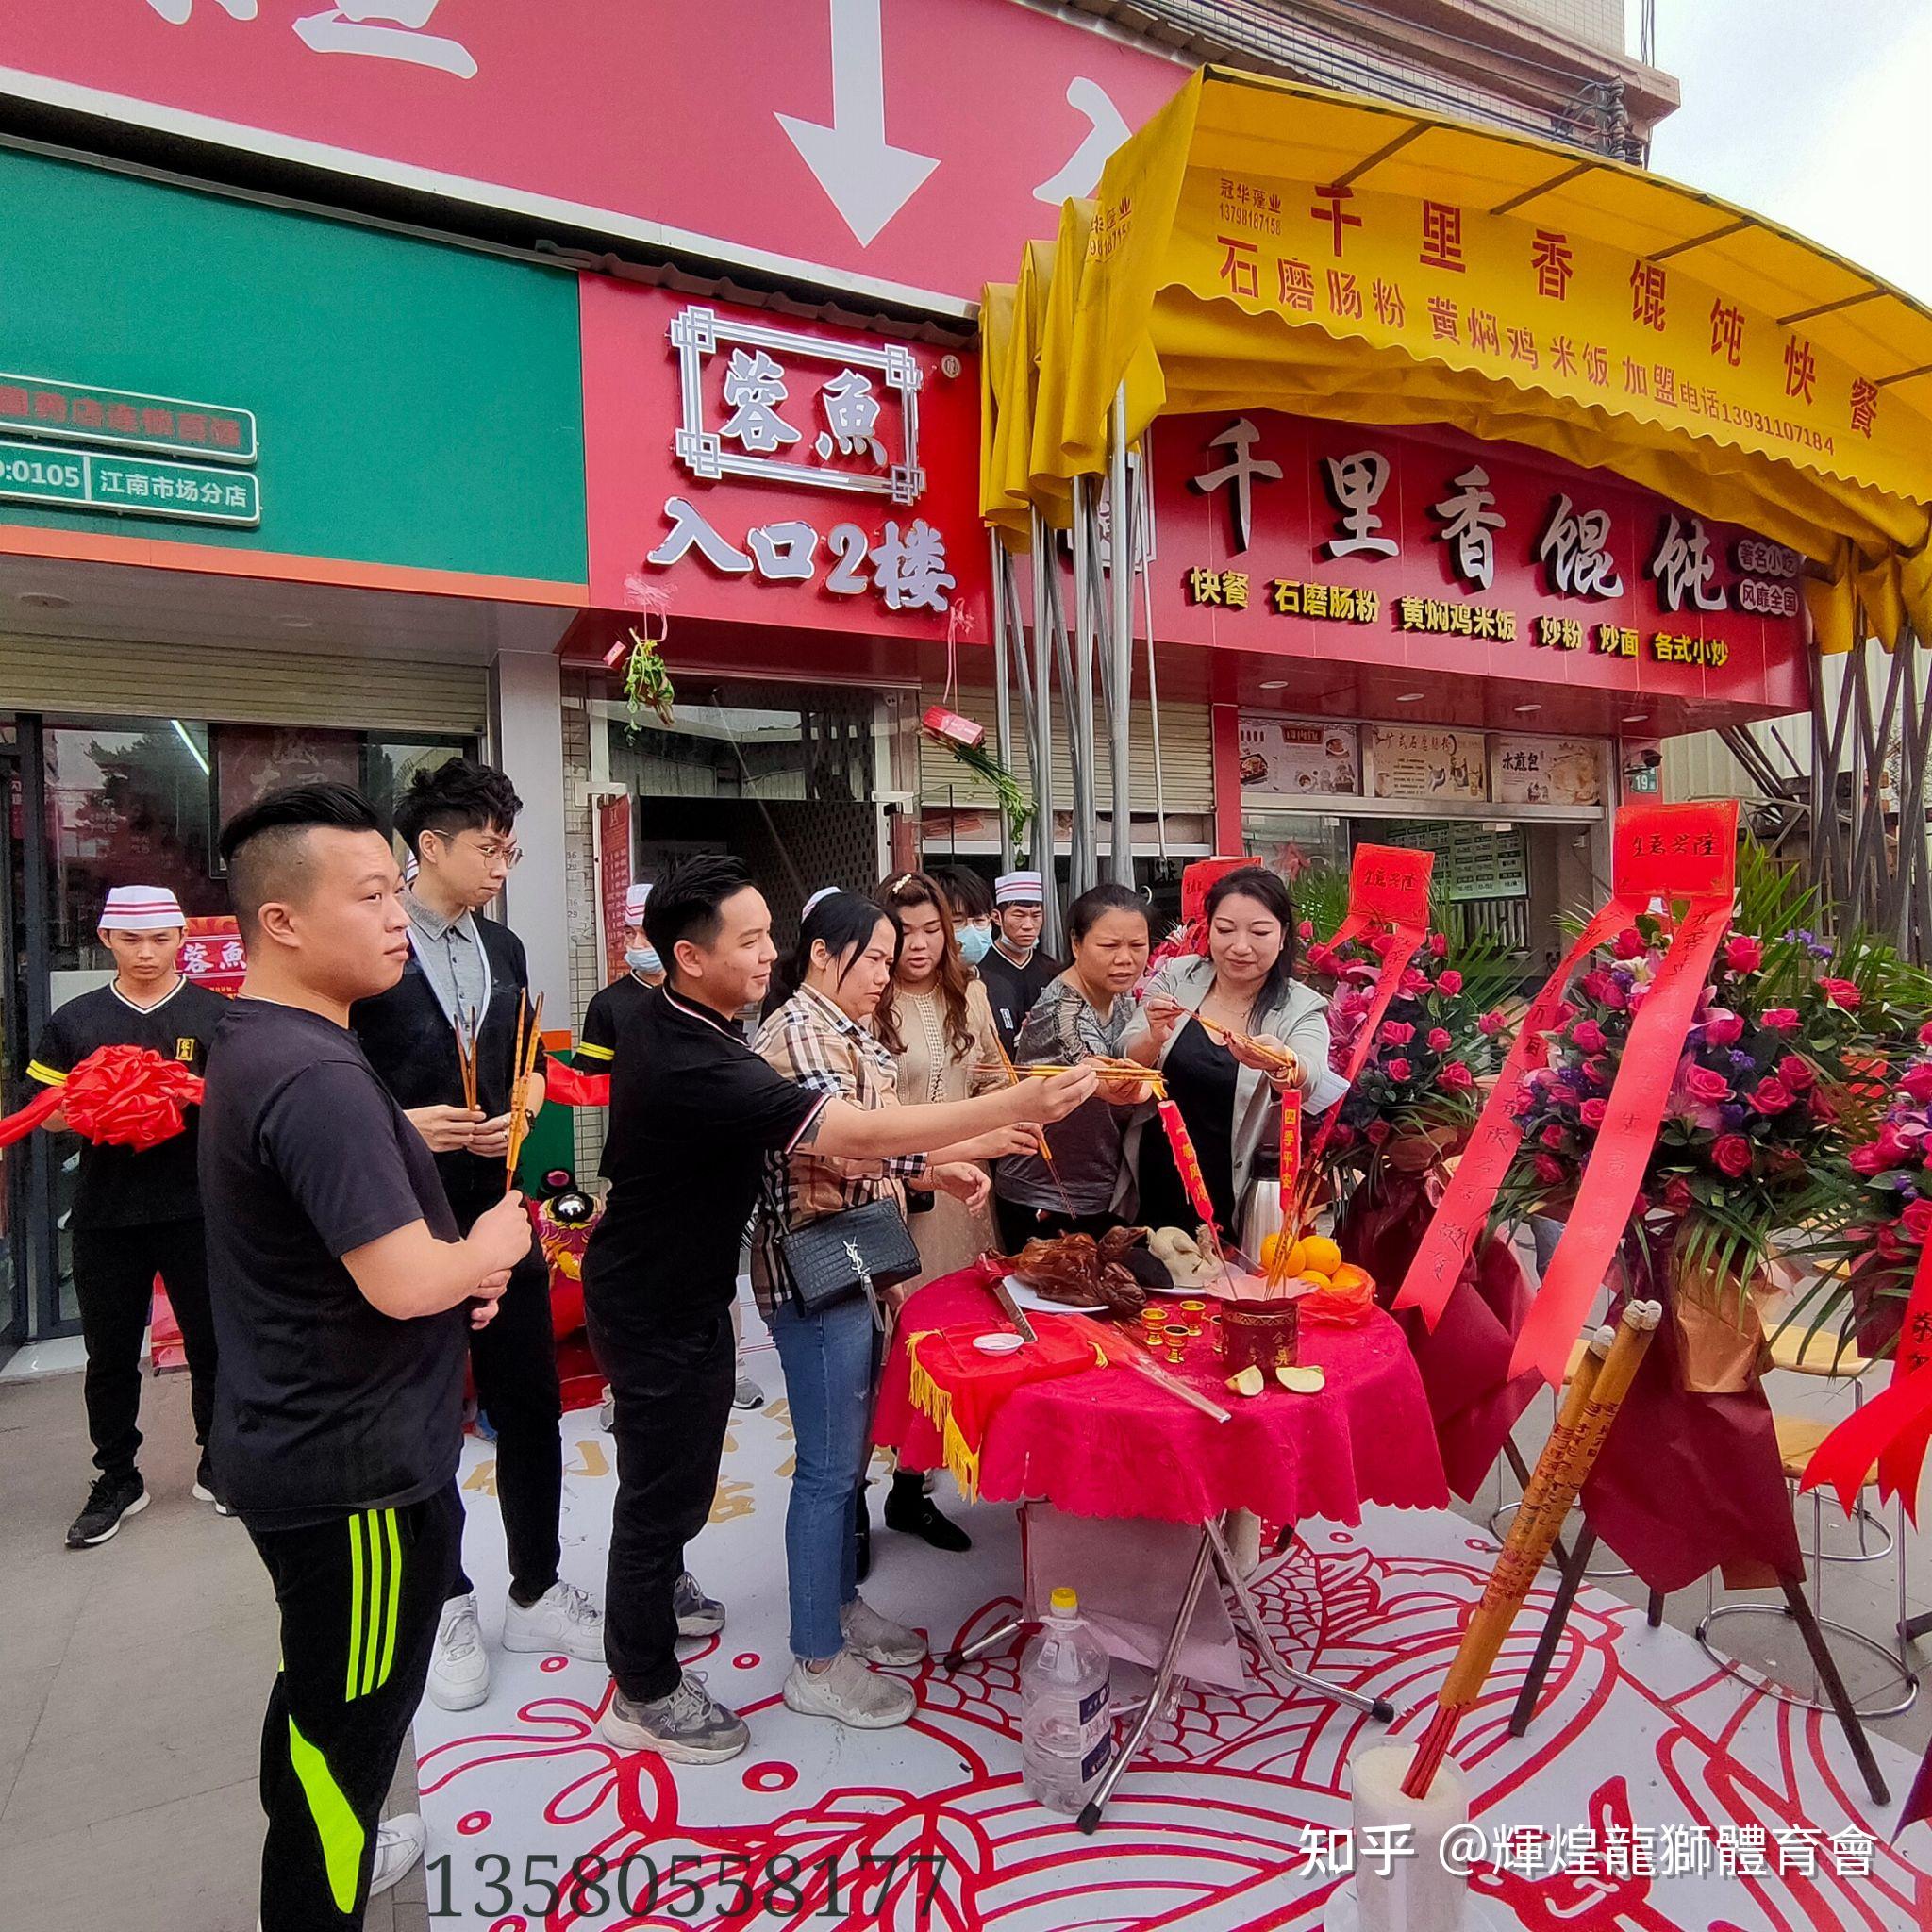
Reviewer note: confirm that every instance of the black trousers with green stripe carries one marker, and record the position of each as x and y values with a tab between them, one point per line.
360	1597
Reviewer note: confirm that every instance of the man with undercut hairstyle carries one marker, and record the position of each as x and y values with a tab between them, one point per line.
343	1295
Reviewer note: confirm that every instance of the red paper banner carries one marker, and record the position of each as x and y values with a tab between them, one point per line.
1667	852
1186	1159
1893	1429
1290	1160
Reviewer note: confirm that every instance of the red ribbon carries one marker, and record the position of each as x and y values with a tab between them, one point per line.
575	1088
1669	851
1894	1427
1387	885
118	1096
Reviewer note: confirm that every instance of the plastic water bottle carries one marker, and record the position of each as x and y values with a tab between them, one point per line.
1066	1714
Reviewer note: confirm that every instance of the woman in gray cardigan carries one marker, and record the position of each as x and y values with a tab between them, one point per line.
1230	1097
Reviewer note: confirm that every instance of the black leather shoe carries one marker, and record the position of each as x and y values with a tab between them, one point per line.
909	1510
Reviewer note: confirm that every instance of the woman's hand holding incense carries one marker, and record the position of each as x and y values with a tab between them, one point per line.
490	1141
1164	1013
447	1129
1266	1053
964	1182
1124	1090
996	1146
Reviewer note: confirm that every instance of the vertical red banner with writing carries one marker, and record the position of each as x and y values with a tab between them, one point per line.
1676	855
614	879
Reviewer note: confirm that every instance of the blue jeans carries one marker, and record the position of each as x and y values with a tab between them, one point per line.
829	1362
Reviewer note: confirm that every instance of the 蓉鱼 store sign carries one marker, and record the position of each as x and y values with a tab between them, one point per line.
1430	550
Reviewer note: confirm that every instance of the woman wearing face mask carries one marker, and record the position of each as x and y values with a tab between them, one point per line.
1230	1097
1086	1010
819	1035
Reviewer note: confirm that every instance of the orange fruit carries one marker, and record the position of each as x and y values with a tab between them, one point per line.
1270	1245
1314	1278
1349	1276
1297	1257
1321	1254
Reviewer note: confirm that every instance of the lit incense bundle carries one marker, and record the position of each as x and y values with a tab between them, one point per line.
1602	1380
525	1061
1012	1073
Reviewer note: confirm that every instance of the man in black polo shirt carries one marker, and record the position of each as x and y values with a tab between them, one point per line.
692	1114
136	1212
1016	971
460	823
339	1286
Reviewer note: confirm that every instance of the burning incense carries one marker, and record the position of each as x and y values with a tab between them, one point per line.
1012	1073
1281	1061
524	1062
1596	1392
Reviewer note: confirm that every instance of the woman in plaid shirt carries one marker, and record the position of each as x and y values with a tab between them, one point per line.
820	1037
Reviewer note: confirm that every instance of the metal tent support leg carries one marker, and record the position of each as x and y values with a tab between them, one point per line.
1553	1629
1826	1666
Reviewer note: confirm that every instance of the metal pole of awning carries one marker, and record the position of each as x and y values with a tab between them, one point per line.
1002	692
1044	564
1082	863
1120	641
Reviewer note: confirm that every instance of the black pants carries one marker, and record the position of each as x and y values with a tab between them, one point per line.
514	1362
673	1393
1019	1224
360	1597
114	1270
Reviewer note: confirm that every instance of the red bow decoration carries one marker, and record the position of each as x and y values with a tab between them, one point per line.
575	1088
118	1096
1894	1427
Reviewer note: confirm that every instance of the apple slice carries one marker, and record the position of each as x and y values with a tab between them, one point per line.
1249	1382
1303	1379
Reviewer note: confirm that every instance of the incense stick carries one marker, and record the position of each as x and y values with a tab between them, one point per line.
1012	1075
525	1063
1285	1062
466	1055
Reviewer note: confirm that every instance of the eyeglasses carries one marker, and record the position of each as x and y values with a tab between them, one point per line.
506	852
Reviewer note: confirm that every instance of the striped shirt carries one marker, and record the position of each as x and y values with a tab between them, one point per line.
811	1042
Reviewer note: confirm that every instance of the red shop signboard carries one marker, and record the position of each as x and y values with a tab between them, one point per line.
916	144
748	466
1430	551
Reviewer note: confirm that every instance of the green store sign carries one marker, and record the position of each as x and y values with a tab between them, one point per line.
48	466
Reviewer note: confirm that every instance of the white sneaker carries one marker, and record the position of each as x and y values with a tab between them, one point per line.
849	1693
878	1638
562	1619
398	1845
460	1670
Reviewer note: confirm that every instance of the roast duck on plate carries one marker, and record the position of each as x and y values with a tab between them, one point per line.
1085	1273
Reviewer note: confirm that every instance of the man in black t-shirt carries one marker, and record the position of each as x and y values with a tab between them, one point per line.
136	1213
338	1284
1015	971
612	1007
460	823
693	1111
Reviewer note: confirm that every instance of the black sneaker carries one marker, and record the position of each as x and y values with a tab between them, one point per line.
111	1498
910	1510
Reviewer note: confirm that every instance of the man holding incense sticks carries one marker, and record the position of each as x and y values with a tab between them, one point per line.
446	1039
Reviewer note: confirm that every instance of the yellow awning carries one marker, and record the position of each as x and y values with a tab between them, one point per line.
1264	244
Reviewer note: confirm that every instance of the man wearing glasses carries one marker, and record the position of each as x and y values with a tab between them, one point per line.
460	823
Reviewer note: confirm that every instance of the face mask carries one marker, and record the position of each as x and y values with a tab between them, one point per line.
643	959
976	942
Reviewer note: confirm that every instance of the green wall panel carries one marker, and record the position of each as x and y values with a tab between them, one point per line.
419	404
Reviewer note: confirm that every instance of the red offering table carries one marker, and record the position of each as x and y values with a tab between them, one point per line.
1109	1442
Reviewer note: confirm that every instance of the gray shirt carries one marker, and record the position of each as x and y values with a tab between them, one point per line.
451	954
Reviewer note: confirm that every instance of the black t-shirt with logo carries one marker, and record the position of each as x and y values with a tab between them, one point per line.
324	1406
610	1012
1011	990
693	1111
122	1186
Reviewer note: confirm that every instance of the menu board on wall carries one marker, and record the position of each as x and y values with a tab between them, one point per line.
1295	757
613	880
1546	771
1471	861
1425	761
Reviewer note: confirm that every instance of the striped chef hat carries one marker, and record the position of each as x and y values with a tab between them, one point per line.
140	909
1018	889
635	900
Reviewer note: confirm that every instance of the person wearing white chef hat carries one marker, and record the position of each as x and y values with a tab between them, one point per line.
136	1213
1016	971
